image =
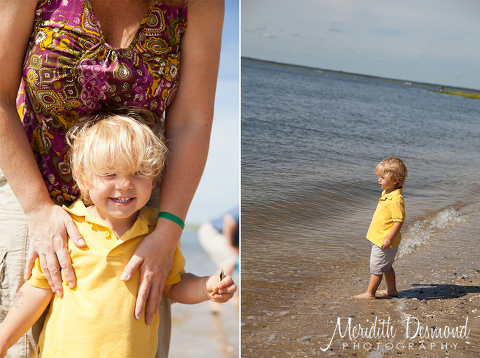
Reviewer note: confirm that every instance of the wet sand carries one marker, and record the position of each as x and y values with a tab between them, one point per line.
439	291
196	331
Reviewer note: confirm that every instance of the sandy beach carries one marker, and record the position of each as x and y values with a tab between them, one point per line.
439	298
196	331
440	286
437	313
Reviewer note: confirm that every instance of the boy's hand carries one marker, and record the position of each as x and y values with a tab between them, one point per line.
226	288
391	235
386	243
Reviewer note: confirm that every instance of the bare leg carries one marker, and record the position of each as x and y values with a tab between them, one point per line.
372	287
391	284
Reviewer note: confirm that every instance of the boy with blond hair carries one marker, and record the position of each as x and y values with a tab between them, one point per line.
384	230
115	159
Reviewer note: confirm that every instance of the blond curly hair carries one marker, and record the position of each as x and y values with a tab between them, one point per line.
123	139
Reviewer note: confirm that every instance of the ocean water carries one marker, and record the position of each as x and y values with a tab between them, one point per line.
310	144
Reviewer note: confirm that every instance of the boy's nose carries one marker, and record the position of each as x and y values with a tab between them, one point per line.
124	183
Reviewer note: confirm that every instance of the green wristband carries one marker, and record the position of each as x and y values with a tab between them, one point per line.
172	217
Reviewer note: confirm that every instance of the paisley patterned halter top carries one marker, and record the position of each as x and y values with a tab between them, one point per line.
70	71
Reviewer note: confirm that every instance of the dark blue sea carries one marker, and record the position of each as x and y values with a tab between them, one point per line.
310	144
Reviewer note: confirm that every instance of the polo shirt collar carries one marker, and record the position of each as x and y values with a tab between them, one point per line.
146	217
390	195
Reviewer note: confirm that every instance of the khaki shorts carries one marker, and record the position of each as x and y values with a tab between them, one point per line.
14	243
381	260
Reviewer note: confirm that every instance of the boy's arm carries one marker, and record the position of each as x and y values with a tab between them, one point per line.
193	289
393	232
26	309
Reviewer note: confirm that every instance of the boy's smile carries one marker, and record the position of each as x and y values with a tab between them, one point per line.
122	200
117	197
388	183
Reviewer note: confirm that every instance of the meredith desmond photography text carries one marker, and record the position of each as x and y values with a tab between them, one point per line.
408	334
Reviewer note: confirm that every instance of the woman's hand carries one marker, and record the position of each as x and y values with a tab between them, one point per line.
48	230
154	258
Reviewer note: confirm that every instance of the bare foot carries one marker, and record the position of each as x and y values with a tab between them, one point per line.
385	293
365	295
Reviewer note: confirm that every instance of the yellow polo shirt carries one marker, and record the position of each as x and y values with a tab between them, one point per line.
390	209
96	318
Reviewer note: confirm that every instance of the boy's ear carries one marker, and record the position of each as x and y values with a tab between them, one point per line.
154	182
396	180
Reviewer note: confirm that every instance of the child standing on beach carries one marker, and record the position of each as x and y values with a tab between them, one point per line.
384	230
115	159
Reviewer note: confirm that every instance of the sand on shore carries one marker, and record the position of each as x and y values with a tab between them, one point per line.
439	299
437	313
440	286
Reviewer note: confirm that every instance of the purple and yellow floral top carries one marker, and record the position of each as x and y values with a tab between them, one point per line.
70	71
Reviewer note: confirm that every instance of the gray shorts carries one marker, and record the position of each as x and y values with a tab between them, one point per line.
381	260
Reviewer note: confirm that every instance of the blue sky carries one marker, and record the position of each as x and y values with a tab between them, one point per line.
219	189
433	41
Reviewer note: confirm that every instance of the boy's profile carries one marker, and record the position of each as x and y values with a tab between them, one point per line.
384	230
115	159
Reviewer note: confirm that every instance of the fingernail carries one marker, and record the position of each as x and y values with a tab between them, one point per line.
81	242
149	322
71	285
124	277
59	294
137	316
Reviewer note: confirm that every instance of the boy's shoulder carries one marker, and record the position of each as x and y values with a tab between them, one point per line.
394	197
150	215
76	210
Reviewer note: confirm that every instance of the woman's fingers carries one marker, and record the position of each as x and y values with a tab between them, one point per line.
153	301
63	256
74	234
66	265
149	293
154	262
132	266
142	295
53	266
49	229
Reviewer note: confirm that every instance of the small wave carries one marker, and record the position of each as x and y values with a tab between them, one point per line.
421	231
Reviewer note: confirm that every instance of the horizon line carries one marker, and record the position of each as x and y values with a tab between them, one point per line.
358	74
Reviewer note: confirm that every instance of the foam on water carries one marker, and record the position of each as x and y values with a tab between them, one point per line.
422	230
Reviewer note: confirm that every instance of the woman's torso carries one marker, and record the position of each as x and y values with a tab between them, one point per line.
70	70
